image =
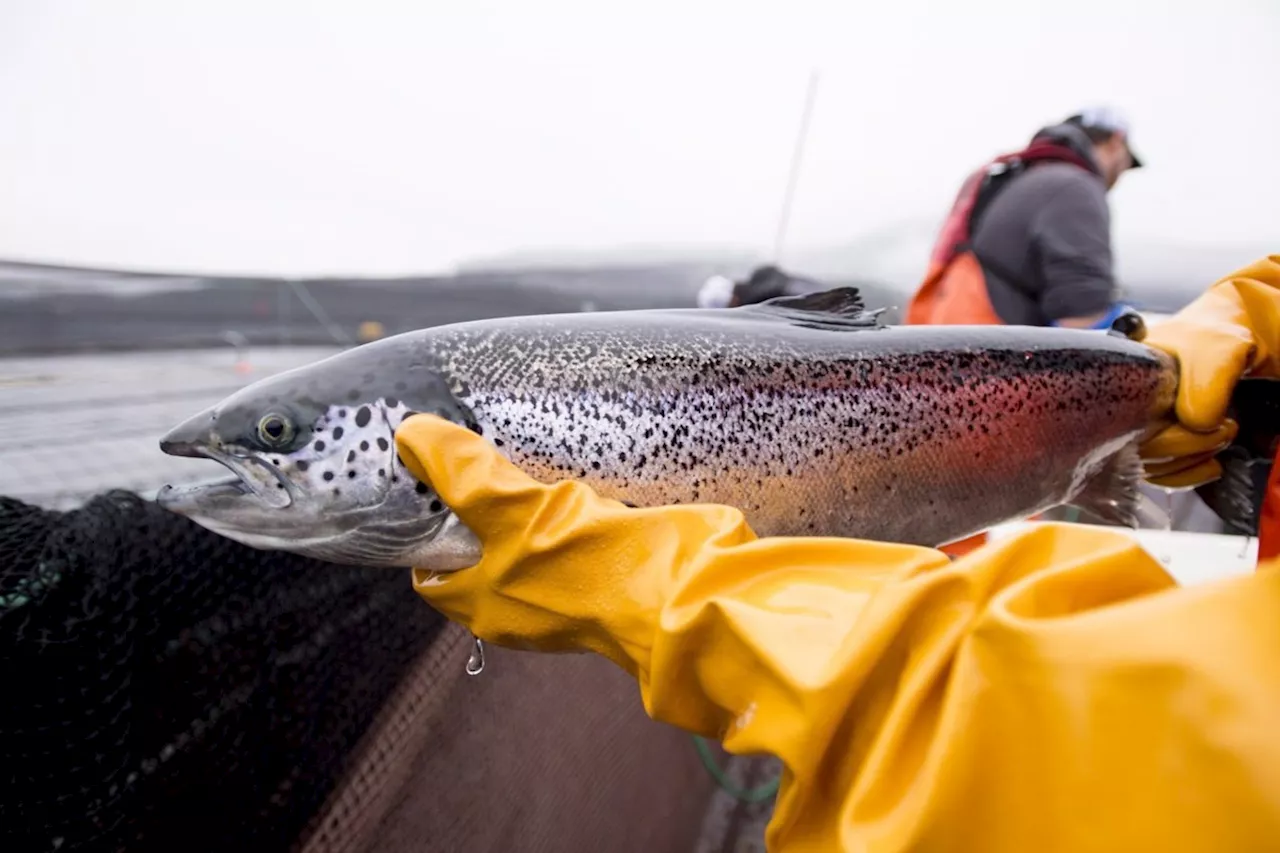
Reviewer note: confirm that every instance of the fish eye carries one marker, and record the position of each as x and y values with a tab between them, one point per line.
275	429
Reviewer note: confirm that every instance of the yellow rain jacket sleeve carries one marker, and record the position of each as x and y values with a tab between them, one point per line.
1054	691
1233	329
1051	692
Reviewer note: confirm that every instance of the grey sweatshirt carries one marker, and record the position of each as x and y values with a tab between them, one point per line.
1044	241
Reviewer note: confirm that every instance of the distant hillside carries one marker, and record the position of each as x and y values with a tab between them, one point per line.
890	260
48	308
52	308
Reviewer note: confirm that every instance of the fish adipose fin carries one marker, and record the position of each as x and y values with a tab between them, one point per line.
1114	494
838	309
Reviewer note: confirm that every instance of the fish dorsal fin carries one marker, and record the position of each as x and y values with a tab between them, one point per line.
840	308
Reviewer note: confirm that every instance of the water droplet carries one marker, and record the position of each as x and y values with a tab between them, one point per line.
475	663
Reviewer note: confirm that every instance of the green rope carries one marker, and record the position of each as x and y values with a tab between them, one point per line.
754	795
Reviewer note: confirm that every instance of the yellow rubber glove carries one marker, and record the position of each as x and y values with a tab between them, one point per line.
1051	692
1232	330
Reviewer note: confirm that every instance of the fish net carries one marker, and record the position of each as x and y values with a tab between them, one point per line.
169	689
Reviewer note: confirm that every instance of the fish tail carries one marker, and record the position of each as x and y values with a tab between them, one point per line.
1115	496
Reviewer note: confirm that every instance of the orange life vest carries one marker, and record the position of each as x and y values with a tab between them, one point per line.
953	294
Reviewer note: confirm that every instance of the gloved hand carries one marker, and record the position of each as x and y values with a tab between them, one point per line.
1230	331
578	571
1032	695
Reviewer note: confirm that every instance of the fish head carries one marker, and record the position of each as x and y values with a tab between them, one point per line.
315	470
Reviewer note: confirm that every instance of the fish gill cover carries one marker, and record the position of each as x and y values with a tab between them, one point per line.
169	689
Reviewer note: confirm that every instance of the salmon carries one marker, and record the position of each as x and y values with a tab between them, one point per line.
807	413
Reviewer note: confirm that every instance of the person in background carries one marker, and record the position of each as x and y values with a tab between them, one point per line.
1055	691
765	282
1028	238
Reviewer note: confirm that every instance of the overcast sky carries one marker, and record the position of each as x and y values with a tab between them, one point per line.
373	138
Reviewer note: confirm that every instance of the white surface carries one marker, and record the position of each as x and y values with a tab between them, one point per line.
1191	558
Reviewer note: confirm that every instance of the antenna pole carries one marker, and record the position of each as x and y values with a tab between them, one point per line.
797	155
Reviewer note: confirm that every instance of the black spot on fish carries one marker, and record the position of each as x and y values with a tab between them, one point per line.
328	475
392	402
351	456
342	413
420	488
407	415
436	506
337	492
363	416
475	427
303	464
499	442
279	485
337	433
364	445
382	444
319	446
382	472
351	475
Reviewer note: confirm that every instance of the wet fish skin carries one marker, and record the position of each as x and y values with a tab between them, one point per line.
805	412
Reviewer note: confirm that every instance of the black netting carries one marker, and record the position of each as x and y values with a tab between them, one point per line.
168	689
1237	497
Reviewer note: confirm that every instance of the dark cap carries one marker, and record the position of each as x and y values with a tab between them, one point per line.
1107	120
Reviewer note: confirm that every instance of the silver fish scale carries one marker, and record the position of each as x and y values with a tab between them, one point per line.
868	433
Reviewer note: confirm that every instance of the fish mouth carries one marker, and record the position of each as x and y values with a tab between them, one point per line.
276	491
